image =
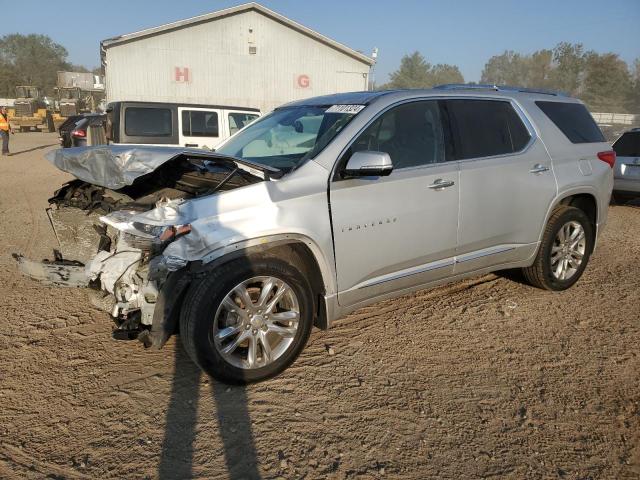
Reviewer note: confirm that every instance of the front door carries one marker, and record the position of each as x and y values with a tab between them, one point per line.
397	232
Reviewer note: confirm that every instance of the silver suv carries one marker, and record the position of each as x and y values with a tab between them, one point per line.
324	206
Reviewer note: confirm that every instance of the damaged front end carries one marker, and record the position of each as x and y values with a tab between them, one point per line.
114	223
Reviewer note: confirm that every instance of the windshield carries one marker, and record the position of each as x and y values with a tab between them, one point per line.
288	136
26	92
72	93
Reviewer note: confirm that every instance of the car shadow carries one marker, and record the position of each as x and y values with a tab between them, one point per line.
233	419
514	275
40	147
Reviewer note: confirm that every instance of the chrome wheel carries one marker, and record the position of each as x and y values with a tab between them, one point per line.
256	322
567	251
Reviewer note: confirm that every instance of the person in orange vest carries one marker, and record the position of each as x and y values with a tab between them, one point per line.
5	128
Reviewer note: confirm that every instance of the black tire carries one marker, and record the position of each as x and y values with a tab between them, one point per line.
539	274
203	299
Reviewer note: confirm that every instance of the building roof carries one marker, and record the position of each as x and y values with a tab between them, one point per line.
253	6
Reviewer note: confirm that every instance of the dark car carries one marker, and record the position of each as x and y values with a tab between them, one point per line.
73	132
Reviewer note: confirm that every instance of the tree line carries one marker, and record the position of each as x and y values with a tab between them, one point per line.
604	81
32	60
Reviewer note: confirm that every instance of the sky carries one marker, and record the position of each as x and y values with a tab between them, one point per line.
465	33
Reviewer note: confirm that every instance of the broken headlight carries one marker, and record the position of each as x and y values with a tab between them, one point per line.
153	238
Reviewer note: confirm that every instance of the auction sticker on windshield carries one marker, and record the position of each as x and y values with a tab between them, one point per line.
345	109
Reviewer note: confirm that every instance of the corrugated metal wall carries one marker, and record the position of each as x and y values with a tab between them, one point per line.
286	66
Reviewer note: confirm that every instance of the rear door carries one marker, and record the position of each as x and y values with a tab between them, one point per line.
506	182
200	127
397	232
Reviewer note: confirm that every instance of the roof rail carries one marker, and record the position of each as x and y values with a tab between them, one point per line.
498	88
467	86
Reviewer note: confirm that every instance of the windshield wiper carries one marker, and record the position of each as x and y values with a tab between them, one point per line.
247	165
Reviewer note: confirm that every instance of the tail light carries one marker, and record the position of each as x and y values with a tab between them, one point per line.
83	133
609	157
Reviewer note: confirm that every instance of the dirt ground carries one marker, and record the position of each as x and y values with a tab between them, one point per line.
484	378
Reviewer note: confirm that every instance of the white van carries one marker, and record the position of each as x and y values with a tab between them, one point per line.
177	124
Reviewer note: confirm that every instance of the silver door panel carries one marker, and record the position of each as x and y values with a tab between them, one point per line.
388	225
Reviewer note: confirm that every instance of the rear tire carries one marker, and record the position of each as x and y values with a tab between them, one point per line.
214	316
561	260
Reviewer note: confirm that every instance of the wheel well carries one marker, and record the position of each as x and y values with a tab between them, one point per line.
585	202
296	253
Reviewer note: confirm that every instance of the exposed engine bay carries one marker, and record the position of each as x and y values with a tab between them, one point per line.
101	246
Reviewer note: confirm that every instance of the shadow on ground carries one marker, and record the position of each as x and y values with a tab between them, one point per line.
13	154
234	425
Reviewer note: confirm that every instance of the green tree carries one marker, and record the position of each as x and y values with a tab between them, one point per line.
568	70
634	94
539	68
413	72
607	84
416	72
444	73
510	68
30	60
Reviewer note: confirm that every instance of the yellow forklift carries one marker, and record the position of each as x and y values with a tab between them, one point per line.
30	111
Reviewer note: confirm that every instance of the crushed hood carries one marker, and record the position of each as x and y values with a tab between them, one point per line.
116	166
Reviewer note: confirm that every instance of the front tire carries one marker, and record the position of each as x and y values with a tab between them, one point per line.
564	252
248	320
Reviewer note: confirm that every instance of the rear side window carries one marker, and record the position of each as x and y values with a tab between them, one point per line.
485	128
238	120
199	123
628	145
147	122
574	120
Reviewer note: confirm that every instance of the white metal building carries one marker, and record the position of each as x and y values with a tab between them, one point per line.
246	56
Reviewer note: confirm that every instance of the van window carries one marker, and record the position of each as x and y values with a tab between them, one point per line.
485	128
147	122
574	120
238	120
410	133
628	145
199	123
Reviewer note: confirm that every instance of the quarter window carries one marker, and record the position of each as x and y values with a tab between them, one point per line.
147	122
485	128
199	123
411	134
574	120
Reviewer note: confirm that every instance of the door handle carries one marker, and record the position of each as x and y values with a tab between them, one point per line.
538	168
439	184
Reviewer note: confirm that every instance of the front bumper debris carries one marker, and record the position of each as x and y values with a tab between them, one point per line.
59	273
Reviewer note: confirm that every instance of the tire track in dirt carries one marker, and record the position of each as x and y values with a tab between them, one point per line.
34	224
481	378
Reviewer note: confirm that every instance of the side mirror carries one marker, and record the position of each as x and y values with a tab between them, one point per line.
369	164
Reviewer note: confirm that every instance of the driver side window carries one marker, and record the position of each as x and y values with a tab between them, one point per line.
410	133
